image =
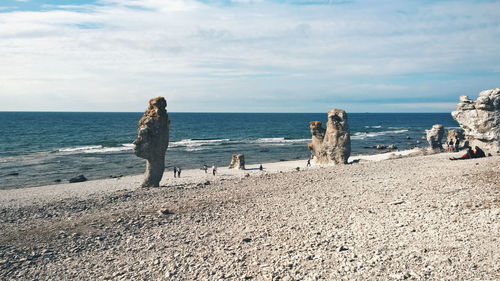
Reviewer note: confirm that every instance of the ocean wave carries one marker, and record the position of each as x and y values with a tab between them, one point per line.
364	135
373	127
96	149
196	143
279	140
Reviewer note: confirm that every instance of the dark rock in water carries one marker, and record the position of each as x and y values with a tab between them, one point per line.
381	146
282	160
12	174
58	180
129	167
408	137
116	177
80	178
392	146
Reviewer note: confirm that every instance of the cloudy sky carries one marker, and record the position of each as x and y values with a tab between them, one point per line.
247	55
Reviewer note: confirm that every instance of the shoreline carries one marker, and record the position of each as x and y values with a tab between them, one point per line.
60	191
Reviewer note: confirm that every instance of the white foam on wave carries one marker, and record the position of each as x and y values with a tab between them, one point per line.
195	143
96	149
373	127
364	135
279	140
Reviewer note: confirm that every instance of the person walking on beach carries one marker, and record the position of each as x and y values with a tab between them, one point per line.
261	168
175	172
205	168
214	170
308	162
179	172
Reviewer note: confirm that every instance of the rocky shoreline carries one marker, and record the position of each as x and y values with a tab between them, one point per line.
413	218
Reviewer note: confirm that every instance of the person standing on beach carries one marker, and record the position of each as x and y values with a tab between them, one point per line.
175	172
179	172
308	162
205	168
261	168
214	170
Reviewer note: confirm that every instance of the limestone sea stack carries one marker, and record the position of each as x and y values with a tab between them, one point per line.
435	136
480	120
152	140
333	144
237	162
455	136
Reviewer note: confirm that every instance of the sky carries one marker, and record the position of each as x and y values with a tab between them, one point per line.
247	55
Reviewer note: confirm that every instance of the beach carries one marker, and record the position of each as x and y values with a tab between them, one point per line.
415	218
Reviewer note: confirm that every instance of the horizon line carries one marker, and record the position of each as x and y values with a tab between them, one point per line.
232	112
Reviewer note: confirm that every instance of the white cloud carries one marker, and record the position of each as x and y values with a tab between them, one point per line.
211	57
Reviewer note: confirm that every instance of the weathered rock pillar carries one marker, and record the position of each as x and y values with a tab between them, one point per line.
456	136
237	161
480	120
435	136
333	144
152	140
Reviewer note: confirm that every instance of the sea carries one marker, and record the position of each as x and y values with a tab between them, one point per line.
42	148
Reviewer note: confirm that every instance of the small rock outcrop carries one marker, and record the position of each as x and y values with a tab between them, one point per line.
80	178
152	140
333	144
480	120
237	162
456	136
435	136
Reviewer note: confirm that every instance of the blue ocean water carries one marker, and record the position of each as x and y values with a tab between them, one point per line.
38	148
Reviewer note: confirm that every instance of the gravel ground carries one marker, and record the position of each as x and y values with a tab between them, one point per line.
416	218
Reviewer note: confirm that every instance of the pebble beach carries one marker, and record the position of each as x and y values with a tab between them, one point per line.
403	218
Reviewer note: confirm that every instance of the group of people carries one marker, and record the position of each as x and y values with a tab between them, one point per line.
177	172
476	153
452	146
214	169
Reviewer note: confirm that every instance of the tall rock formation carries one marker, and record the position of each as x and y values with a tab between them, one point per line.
435	136
237	161
455	136
480	120
333	144
152	140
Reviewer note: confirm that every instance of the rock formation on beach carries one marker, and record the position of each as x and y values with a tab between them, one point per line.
237	161
455	136
333	144
480	120
435	136
152	140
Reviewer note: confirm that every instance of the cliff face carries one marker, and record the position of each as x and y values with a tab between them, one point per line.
152	140
333	144
480	120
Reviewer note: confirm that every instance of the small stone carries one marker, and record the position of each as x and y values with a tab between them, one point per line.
342	248
164	211
247	240
80	178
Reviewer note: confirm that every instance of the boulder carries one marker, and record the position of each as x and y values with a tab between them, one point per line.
435	136
480	120
152	140
237	162
333	144
80	178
